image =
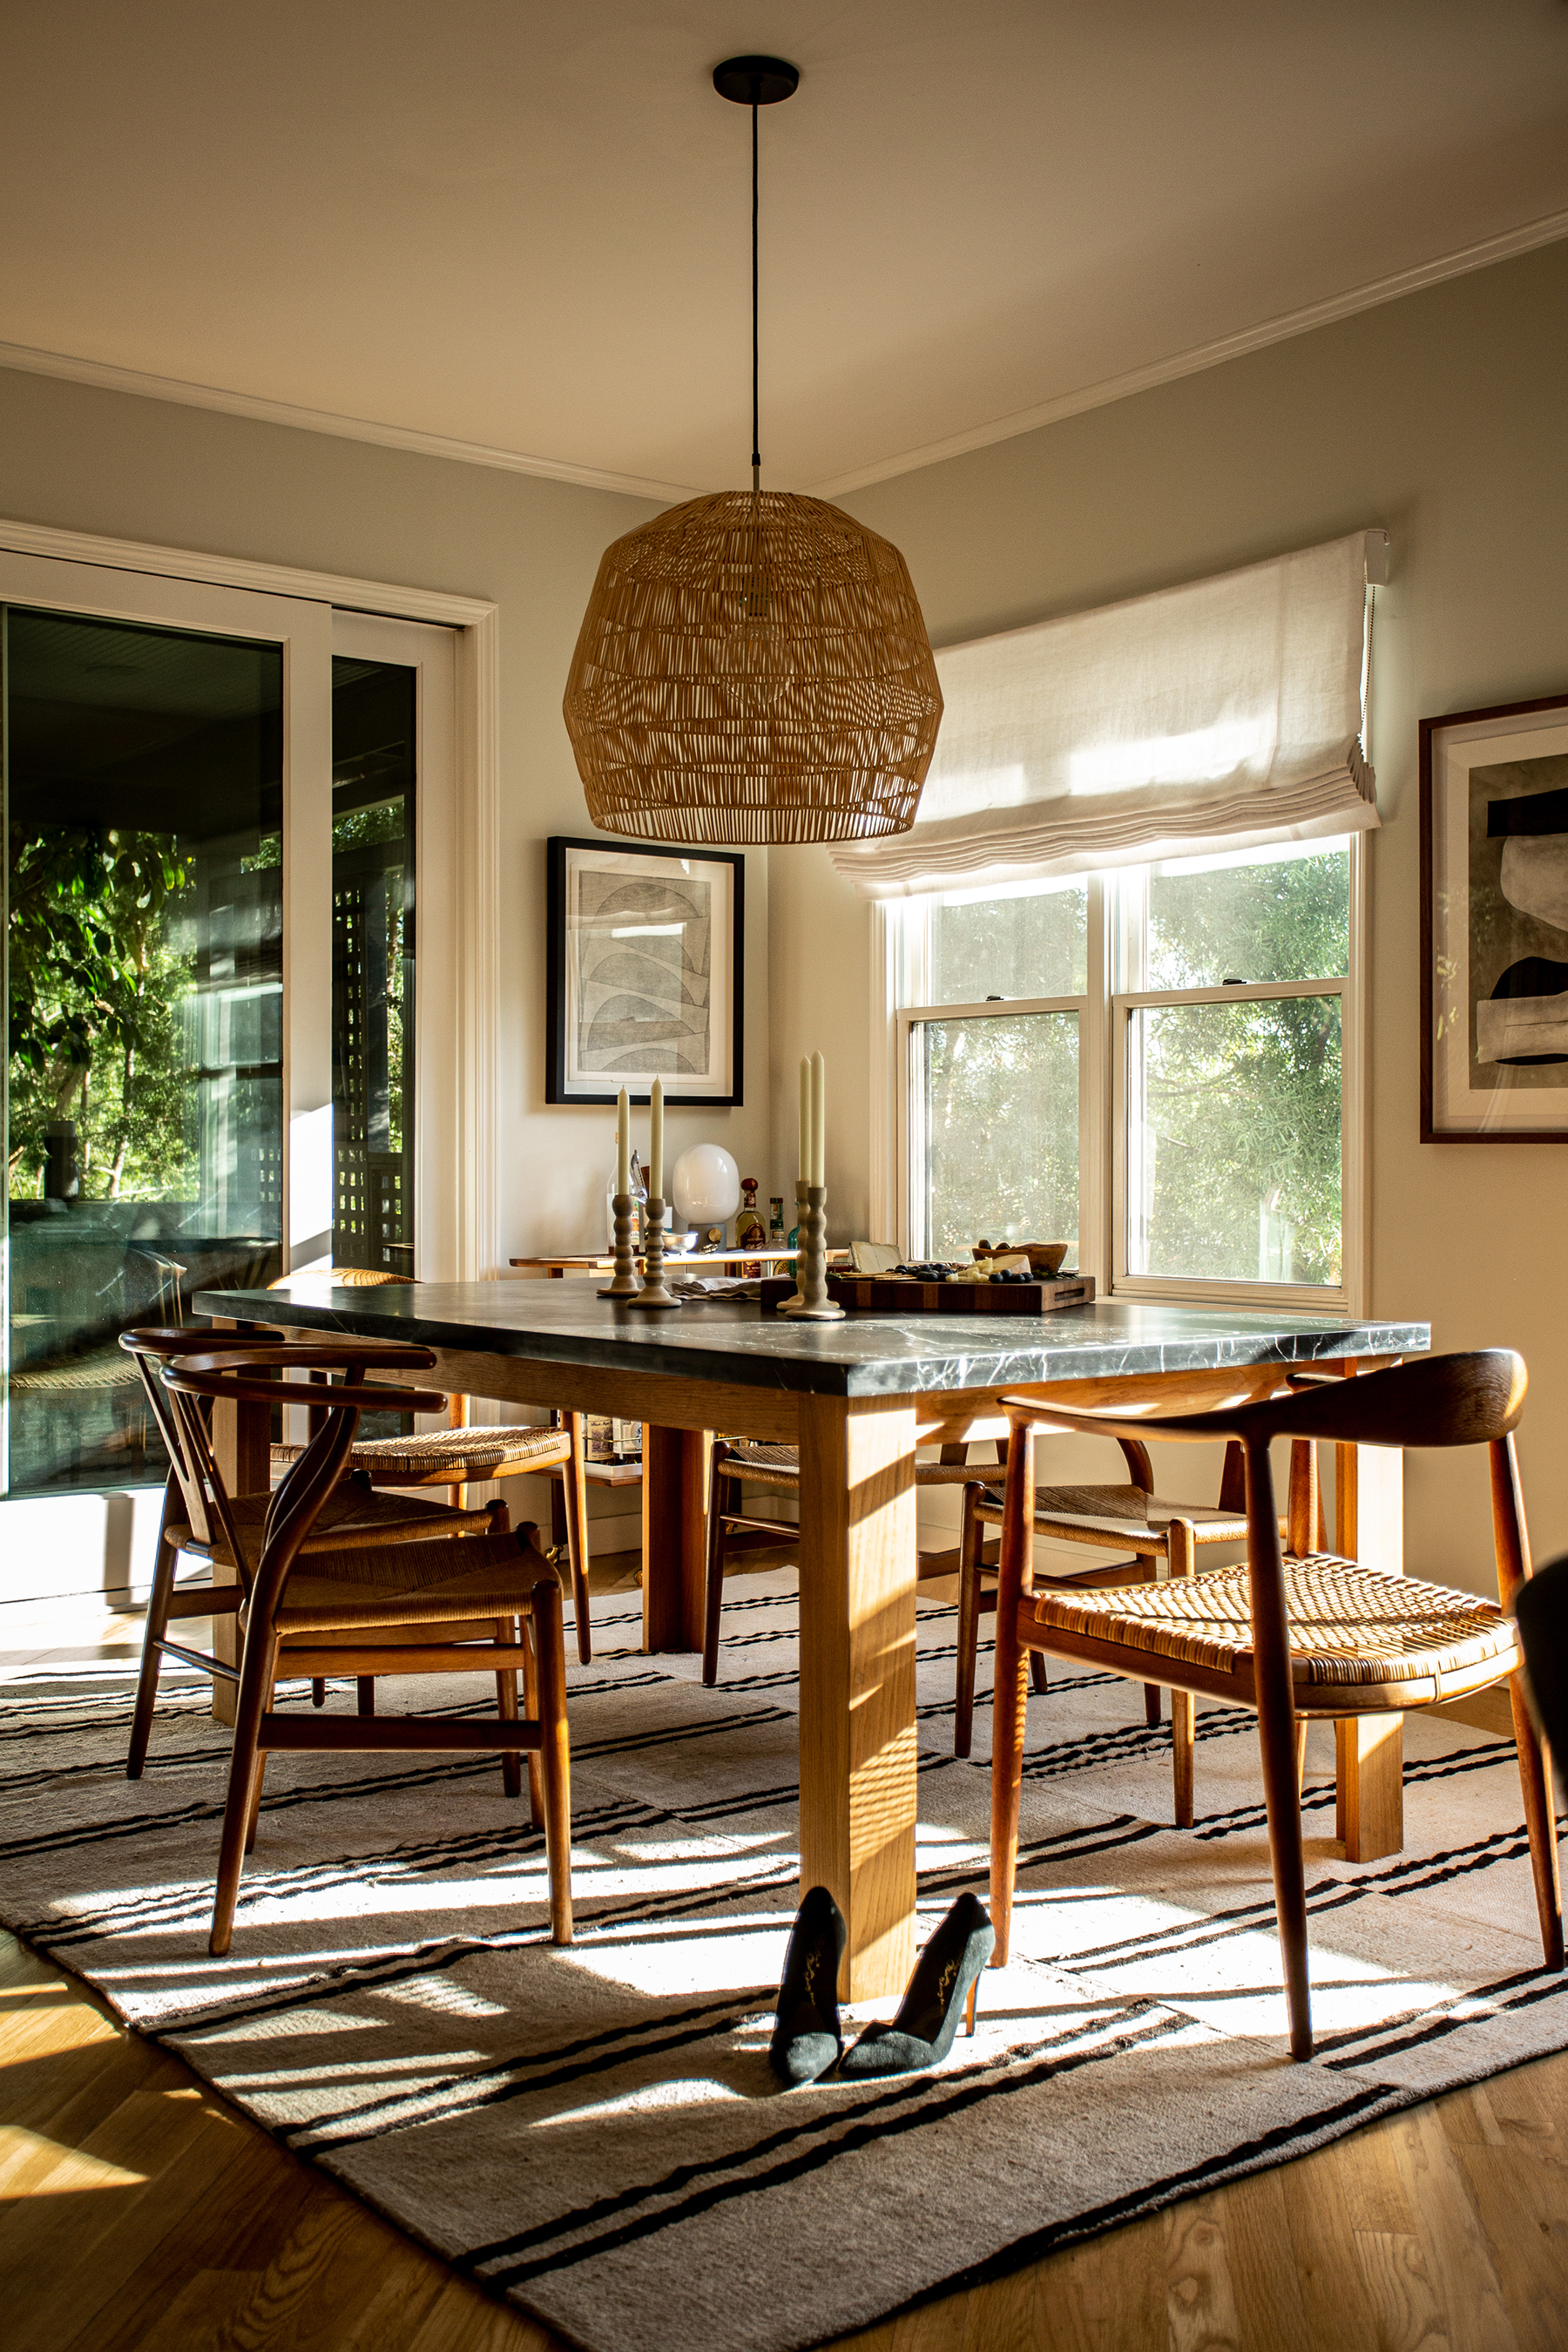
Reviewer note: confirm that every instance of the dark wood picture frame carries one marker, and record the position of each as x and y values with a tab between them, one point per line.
1431	730
556	990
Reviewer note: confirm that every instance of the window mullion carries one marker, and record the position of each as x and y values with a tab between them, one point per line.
1094	1145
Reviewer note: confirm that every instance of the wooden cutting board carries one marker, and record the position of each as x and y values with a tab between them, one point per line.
901	1294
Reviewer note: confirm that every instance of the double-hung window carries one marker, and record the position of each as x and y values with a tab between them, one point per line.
1158	1065
995	1079
1120	962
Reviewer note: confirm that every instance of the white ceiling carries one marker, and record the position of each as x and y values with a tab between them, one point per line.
523	224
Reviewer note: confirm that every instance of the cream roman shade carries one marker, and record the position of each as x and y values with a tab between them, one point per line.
1228	710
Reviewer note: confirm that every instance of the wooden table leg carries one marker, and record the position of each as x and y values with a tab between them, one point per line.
675	1464
858	1573
1369	1751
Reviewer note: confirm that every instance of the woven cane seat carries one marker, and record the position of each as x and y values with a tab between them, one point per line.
1352	1633
779	1465
1119	1515
351	1514
451	1456
409	1584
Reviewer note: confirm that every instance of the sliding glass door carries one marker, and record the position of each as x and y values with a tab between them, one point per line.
144	1081
213	807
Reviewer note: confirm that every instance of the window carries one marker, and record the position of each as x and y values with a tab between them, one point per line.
1157	1064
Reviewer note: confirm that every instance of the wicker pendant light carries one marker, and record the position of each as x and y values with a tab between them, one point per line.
752	666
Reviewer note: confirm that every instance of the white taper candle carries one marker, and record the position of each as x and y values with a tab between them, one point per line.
623	1144
803	1162
818	1120
656	1142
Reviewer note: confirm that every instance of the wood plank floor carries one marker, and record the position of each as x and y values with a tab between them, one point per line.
139	2214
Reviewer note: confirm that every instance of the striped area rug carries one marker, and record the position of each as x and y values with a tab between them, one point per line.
595	2132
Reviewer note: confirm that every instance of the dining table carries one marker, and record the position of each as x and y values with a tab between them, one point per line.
857	1397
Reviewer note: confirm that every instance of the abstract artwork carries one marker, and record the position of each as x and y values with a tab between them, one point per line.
1494	859
645	973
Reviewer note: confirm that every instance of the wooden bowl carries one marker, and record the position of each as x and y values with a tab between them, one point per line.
1044	1257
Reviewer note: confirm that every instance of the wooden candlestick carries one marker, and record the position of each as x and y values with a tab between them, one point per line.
623	1284
815	1307
655	1291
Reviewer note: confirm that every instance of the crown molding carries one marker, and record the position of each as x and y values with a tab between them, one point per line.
106	378
1279	329
1460	263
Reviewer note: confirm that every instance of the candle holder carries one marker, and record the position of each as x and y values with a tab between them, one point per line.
655	1291
623	1284
815	1307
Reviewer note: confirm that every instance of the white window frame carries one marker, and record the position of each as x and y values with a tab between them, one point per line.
1115	932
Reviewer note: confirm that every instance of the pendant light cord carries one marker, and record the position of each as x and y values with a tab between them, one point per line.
756	454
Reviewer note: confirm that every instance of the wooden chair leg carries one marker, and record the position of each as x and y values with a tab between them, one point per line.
554	1753
257	1674
1182	1755
254	1823
1151	1703
458	1418
530	1708
713	1596
506	1708
1277	1739
318	1690
1301	1756
574	1486
1540	1821
165	1563
1008	1702
969	1547
1305	1508
1181	1556
1277	1743
364	1694
1038	1681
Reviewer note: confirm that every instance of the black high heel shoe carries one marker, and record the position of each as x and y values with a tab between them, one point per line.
946	1981
806	2040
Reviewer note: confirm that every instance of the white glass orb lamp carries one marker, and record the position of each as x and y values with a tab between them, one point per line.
706	1185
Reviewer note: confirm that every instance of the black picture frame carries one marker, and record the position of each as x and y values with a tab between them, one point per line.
1496	742
565	1081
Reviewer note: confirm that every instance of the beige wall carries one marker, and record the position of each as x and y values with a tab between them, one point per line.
1443	416
143	469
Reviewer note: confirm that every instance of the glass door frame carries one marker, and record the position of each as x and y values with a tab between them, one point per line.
302	630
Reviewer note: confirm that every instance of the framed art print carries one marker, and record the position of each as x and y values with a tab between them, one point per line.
1494	924
645	957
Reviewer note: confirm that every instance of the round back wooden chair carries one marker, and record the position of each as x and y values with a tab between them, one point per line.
1311	1637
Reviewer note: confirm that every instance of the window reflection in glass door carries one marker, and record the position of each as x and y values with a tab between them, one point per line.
143	1099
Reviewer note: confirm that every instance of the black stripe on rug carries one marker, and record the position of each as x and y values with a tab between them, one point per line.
1454	2017
464	2095
1257	2155
872	2126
